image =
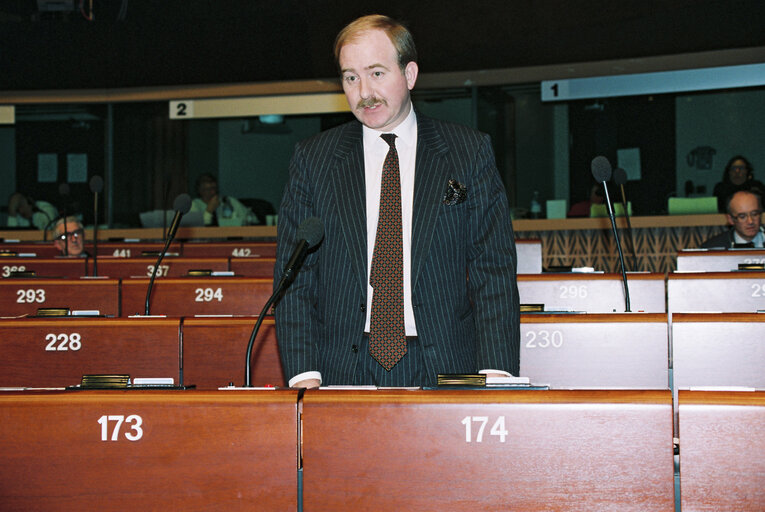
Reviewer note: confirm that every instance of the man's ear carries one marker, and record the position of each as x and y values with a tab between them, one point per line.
730	219
410	73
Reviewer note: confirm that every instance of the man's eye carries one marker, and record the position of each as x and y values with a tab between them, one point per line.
350	78
378	73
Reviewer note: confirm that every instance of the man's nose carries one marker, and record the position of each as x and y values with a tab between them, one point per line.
365	91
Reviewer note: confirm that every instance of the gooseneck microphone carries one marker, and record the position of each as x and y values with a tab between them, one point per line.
96	186
309	233
181	205
620	178
601	171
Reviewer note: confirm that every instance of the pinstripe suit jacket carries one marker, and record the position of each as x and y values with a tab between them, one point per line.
463	325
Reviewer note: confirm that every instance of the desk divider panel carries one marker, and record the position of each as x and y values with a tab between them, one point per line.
596	350
214	352
188	296
57	352
149	450
718	349
722	442
25	296
593	292
487	450
170	266
718	292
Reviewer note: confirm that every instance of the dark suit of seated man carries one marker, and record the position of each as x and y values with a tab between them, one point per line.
745	217
457	306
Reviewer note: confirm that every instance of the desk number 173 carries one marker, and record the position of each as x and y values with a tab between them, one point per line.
497	429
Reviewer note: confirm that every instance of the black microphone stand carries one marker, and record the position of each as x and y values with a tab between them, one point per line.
619	249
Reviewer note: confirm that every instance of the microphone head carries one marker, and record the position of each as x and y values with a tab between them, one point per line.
96	184
620	176
601	169
63	189
182	203
311	230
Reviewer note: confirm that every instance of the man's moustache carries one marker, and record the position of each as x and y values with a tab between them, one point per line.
370	102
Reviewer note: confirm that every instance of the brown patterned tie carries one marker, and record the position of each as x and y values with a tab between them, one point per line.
387	335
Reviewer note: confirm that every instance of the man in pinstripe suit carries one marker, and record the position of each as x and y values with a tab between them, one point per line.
461	307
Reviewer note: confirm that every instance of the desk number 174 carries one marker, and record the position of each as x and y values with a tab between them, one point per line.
497	429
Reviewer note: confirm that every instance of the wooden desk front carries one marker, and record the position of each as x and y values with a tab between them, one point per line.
487	450
25	296
529	254
612	350
214	352
143	267
233	249
706	260
722	451
38	249
57	352
722	292
45	267
188	296
148	450
132	249
253	267
593	293
711	349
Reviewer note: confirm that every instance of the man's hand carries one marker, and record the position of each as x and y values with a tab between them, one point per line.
307	383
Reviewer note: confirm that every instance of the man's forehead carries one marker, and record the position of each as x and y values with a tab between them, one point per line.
375	40
743	201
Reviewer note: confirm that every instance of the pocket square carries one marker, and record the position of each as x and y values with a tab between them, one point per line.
455	193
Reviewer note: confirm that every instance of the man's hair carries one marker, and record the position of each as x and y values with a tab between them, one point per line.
398	34
730	199
60	222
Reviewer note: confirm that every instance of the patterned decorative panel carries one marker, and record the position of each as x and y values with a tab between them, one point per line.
655	248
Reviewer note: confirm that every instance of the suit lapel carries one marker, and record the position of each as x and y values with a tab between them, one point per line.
429	184
351	196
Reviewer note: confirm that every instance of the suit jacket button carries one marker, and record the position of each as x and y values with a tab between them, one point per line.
363	308
354	348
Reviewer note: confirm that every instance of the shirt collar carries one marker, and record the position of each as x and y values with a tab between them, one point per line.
405	132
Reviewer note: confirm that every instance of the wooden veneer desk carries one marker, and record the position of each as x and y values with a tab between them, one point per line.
705	260
57	352
487	450
188	296
718	349
722	451
214	352
24	296
593	292
723	292
590	351
148	450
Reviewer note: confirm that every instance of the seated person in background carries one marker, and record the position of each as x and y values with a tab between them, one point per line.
70	241
582	208
738	175
25	212
744	215
217	211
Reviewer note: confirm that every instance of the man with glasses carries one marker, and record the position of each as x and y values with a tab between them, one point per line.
70	240
745	217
